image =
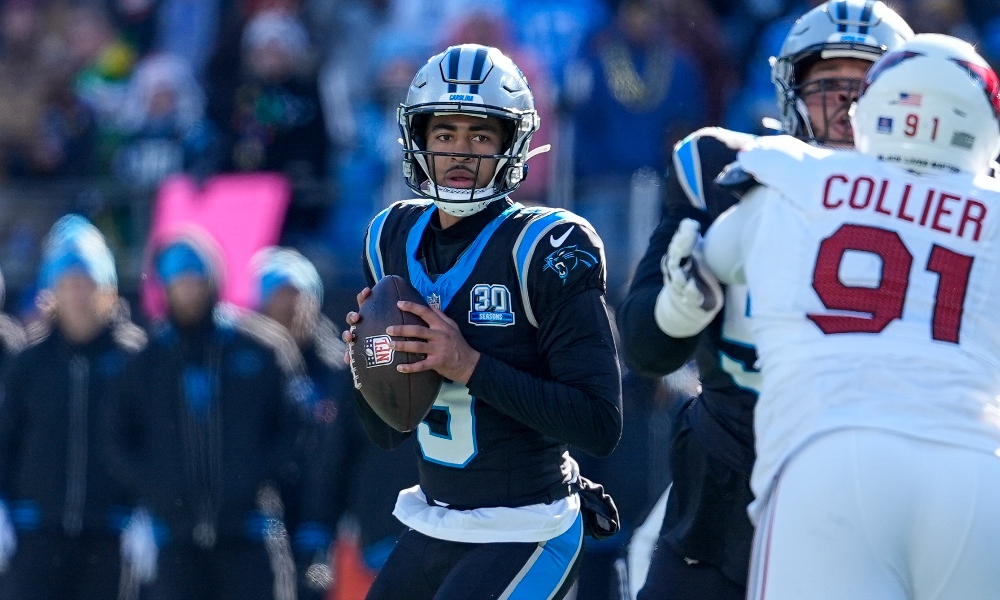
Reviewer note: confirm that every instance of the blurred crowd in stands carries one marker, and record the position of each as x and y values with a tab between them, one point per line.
102	100
109	97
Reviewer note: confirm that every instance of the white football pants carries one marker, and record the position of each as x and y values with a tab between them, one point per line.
864	514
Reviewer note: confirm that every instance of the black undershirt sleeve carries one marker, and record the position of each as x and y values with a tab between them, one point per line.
581	405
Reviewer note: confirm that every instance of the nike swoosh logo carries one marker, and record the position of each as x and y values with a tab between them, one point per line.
558	241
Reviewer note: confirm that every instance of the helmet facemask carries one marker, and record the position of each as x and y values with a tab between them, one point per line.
420	168
836	29
835	96
475	81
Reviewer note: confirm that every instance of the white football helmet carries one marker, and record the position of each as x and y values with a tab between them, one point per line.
473	80
931	105
862	29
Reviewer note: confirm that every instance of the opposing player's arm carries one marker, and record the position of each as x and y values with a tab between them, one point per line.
579	403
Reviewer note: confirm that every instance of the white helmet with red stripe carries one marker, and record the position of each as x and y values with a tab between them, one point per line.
931	105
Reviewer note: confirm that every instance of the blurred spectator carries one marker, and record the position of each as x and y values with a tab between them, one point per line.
164	126
273	118
556	31
205	428
697	30
58	493
136	20
490	26
636	95
42	129
369	169
102	63
188	29
290	292
644	94
12	337
101	58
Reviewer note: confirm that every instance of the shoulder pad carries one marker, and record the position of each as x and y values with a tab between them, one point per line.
373	238
772	160
735	180
687	158
272	335
543	236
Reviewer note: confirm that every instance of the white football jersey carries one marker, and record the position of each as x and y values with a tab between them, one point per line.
874	299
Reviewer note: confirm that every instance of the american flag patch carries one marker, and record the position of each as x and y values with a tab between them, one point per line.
885	124
908	99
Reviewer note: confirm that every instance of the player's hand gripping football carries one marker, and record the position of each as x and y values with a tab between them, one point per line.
447	351
352	319
691	295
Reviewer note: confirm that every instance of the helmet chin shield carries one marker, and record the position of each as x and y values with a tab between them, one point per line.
460	202
477	81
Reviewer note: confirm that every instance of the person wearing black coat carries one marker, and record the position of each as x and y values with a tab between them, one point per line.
62	512
290	292
205	428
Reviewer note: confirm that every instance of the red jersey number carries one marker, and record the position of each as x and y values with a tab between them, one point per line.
884	303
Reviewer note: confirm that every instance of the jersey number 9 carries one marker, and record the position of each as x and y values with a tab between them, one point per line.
885	302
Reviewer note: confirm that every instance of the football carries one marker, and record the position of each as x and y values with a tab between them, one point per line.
402	400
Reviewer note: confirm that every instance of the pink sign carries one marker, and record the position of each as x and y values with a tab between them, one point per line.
242	212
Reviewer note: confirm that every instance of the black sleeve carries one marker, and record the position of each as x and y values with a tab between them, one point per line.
645	347
369	278
582	404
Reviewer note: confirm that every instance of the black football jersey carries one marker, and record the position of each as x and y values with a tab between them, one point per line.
723	352
515	275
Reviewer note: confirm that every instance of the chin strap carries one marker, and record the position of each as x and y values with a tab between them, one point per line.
539	150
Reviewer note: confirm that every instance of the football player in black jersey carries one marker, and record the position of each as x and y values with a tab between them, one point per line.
672	314
519	328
